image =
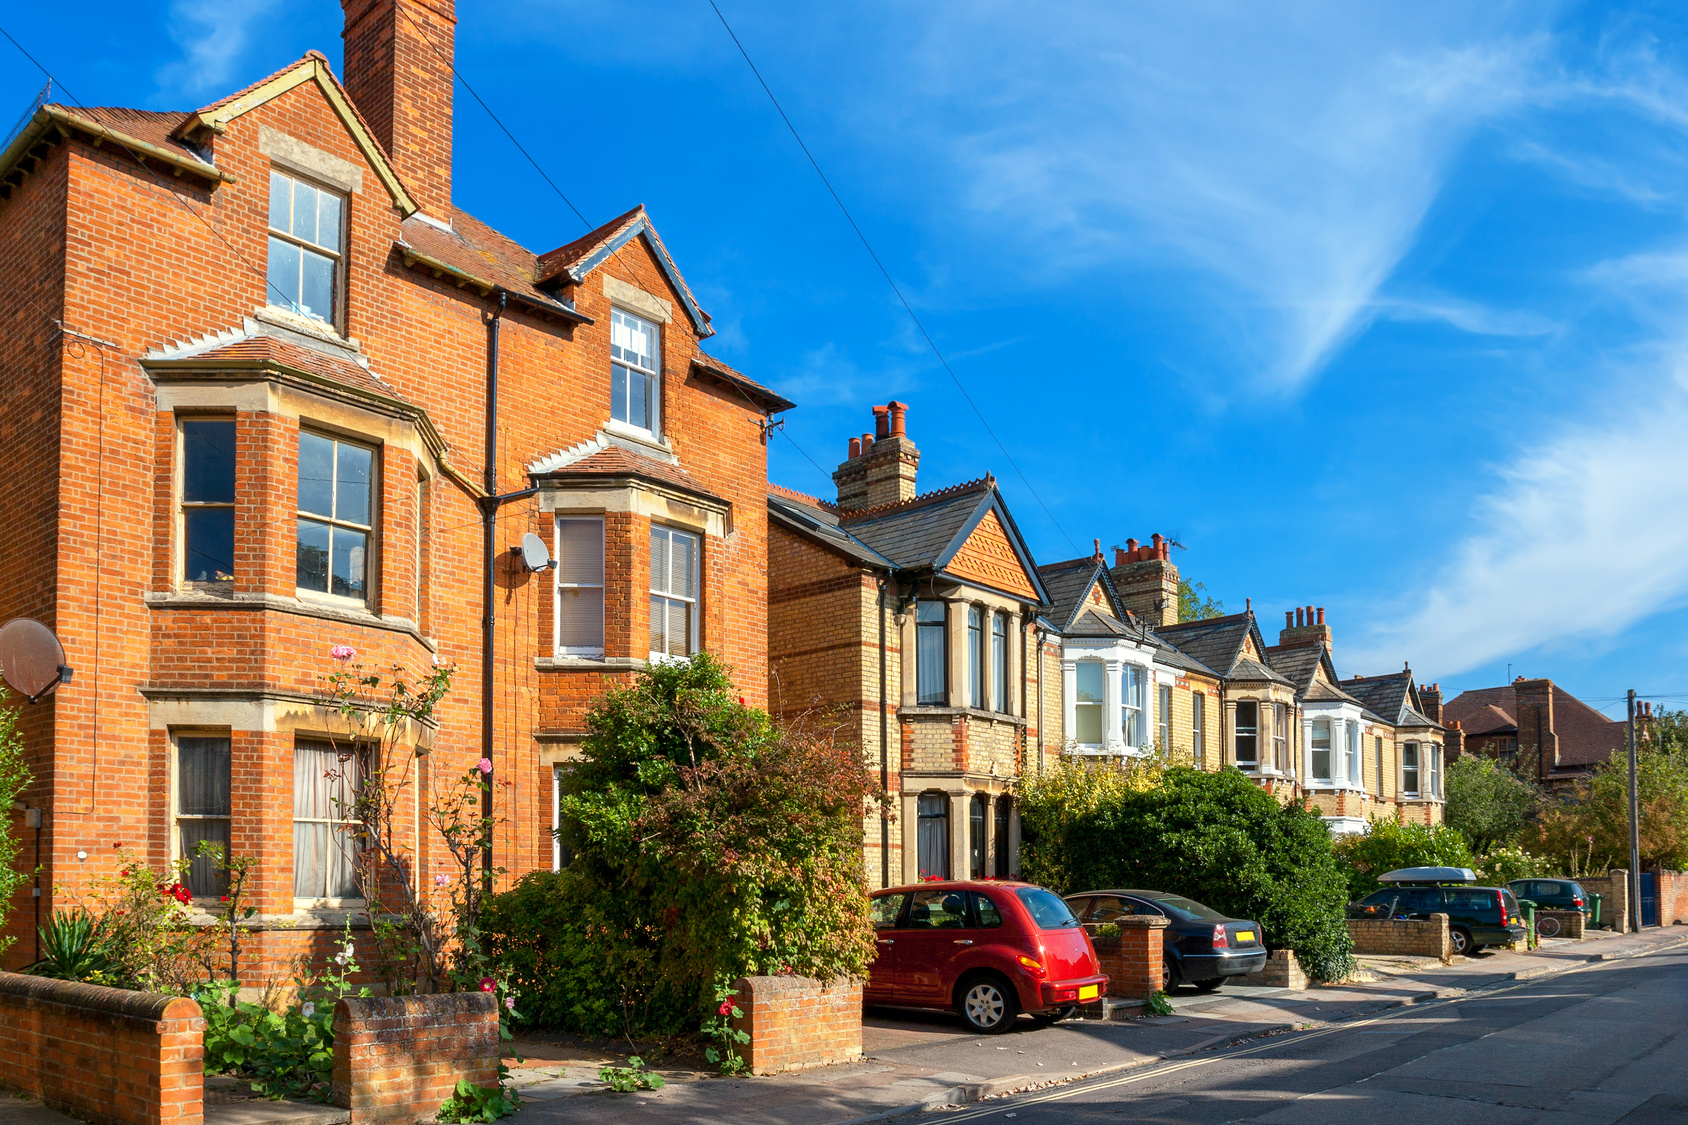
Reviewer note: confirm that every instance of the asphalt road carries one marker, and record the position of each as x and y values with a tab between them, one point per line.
1608	1043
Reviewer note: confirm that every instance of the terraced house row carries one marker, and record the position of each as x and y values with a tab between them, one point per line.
267	391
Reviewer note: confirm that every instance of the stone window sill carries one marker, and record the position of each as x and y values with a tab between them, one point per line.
972	712
589	664
348	614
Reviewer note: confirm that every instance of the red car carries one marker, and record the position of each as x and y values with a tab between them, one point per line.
987	950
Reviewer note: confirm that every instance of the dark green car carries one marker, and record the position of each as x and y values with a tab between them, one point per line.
1477	916
1551	894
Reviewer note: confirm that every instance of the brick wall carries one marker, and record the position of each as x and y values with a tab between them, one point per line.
1281	970
1135	961
1673	897
1421	937
105	1055
1614	888
397	1058
1571	922
797	1022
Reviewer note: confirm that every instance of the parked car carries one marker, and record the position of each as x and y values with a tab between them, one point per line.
1203	946
986	950
1477	916
1552	894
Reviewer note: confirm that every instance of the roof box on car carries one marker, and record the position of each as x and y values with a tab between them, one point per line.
1429	875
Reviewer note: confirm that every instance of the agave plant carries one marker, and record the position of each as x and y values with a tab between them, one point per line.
72	948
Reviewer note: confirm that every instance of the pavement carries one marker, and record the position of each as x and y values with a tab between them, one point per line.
916	1061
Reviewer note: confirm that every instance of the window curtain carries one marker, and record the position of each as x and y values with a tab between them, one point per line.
202	804
977	822
934	835
975	657
929	651
325	784
999	661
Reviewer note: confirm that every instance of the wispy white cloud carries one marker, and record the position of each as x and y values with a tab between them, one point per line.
1467	316
214	36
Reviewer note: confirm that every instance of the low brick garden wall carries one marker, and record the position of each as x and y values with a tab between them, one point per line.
1419	937
1281	970
798	1022
396	1058
1135	961
105	1055
1572	923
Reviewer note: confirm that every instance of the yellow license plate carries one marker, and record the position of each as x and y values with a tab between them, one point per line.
1089	991
1243	936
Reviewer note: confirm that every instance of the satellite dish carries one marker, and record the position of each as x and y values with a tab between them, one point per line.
31	658
534	554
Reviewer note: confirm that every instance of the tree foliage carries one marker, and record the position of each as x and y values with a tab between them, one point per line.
1587	830
1666	731
1194	604
1214	837
14	777
1388	845
1487	802
706	844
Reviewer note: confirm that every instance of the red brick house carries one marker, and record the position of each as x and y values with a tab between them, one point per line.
1536	728
260	377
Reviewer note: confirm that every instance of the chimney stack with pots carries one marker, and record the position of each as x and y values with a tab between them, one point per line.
398	59
1147	580
1430	695
1305	625
881	466
1538	741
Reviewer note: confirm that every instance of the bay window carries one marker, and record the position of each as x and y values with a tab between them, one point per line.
580	586
975	656
1088	708
1321	764
1433	751
1131	705
1409	769
1163	718
933	836
202	809
674	565
327	782
999	662
977	820
335	516
1198	726
1356	778
208	500
931	653
1004	818
1280	736
1247	732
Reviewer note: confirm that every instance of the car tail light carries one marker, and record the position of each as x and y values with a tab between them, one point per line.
1500	901
1577	902
1034	966
1219	937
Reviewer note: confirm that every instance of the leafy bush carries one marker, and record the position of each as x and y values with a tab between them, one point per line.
1588	830
1488	803
14	776
72	948
633	1076
1503	865
1388	845
707	845
1215	837
480	1103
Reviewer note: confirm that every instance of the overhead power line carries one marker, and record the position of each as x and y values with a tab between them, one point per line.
868	246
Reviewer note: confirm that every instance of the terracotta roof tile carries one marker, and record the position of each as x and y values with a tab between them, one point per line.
618	462
243	91
1586	737
155	128
771	400
270	349
553	263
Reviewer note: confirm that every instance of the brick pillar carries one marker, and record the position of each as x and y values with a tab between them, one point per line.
396	1058
1135	961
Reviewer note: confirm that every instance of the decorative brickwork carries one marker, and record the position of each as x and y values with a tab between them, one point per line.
397	1058
1135	961
1420	937
104	1055
798	1022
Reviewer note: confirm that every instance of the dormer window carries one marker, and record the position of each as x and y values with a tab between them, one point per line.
305	248
635	372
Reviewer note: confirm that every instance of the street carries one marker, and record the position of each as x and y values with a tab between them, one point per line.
1608	1043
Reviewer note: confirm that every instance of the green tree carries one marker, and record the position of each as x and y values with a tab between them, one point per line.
1214	837
14	777
1487	802
1388	845
706	844
1194	605
1587	830
1667	731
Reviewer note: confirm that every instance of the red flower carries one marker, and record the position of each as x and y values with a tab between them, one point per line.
726	1008
225	898
488	984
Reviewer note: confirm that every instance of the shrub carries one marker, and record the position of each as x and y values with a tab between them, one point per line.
14	776
1488	803
1215	837
1503	865
1589	830
1388	845
706	843
72	948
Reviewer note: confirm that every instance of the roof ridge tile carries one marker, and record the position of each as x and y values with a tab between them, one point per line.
979	484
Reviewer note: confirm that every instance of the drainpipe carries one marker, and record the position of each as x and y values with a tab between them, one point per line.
489	517
884	751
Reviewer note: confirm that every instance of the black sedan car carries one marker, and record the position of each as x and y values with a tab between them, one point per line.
1203	946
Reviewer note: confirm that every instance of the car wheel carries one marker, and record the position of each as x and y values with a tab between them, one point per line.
1210	985
1170	978
1547	927
988	1004
1460	939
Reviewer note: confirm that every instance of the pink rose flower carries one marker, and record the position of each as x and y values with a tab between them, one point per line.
485	765
342	652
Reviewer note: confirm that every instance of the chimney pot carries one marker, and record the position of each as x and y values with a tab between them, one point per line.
1289	618
1321	615
1299	620
1131	547
1248	605
855	448
1098	544
867	442
898	424
882	421
1120	557
1155	539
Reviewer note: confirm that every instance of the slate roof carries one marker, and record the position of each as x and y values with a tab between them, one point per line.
807	516
1319	691
1069	585
1093	624
1216	642
1297	663
618	462
1393	698
1586	737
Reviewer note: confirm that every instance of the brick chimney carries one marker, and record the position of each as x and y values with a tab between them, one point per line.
881	466
1147	581
398	72
1304	626
1537	739
1430	695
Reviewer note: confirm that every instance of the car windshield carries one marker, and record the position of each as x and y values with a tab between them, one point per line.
1187	909
1047	910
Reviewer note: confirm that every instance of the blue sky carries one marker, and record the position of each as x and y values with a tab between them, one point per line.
1380	309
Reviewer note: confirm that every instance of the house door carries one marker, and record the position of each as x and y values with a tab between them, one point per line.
1649	899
